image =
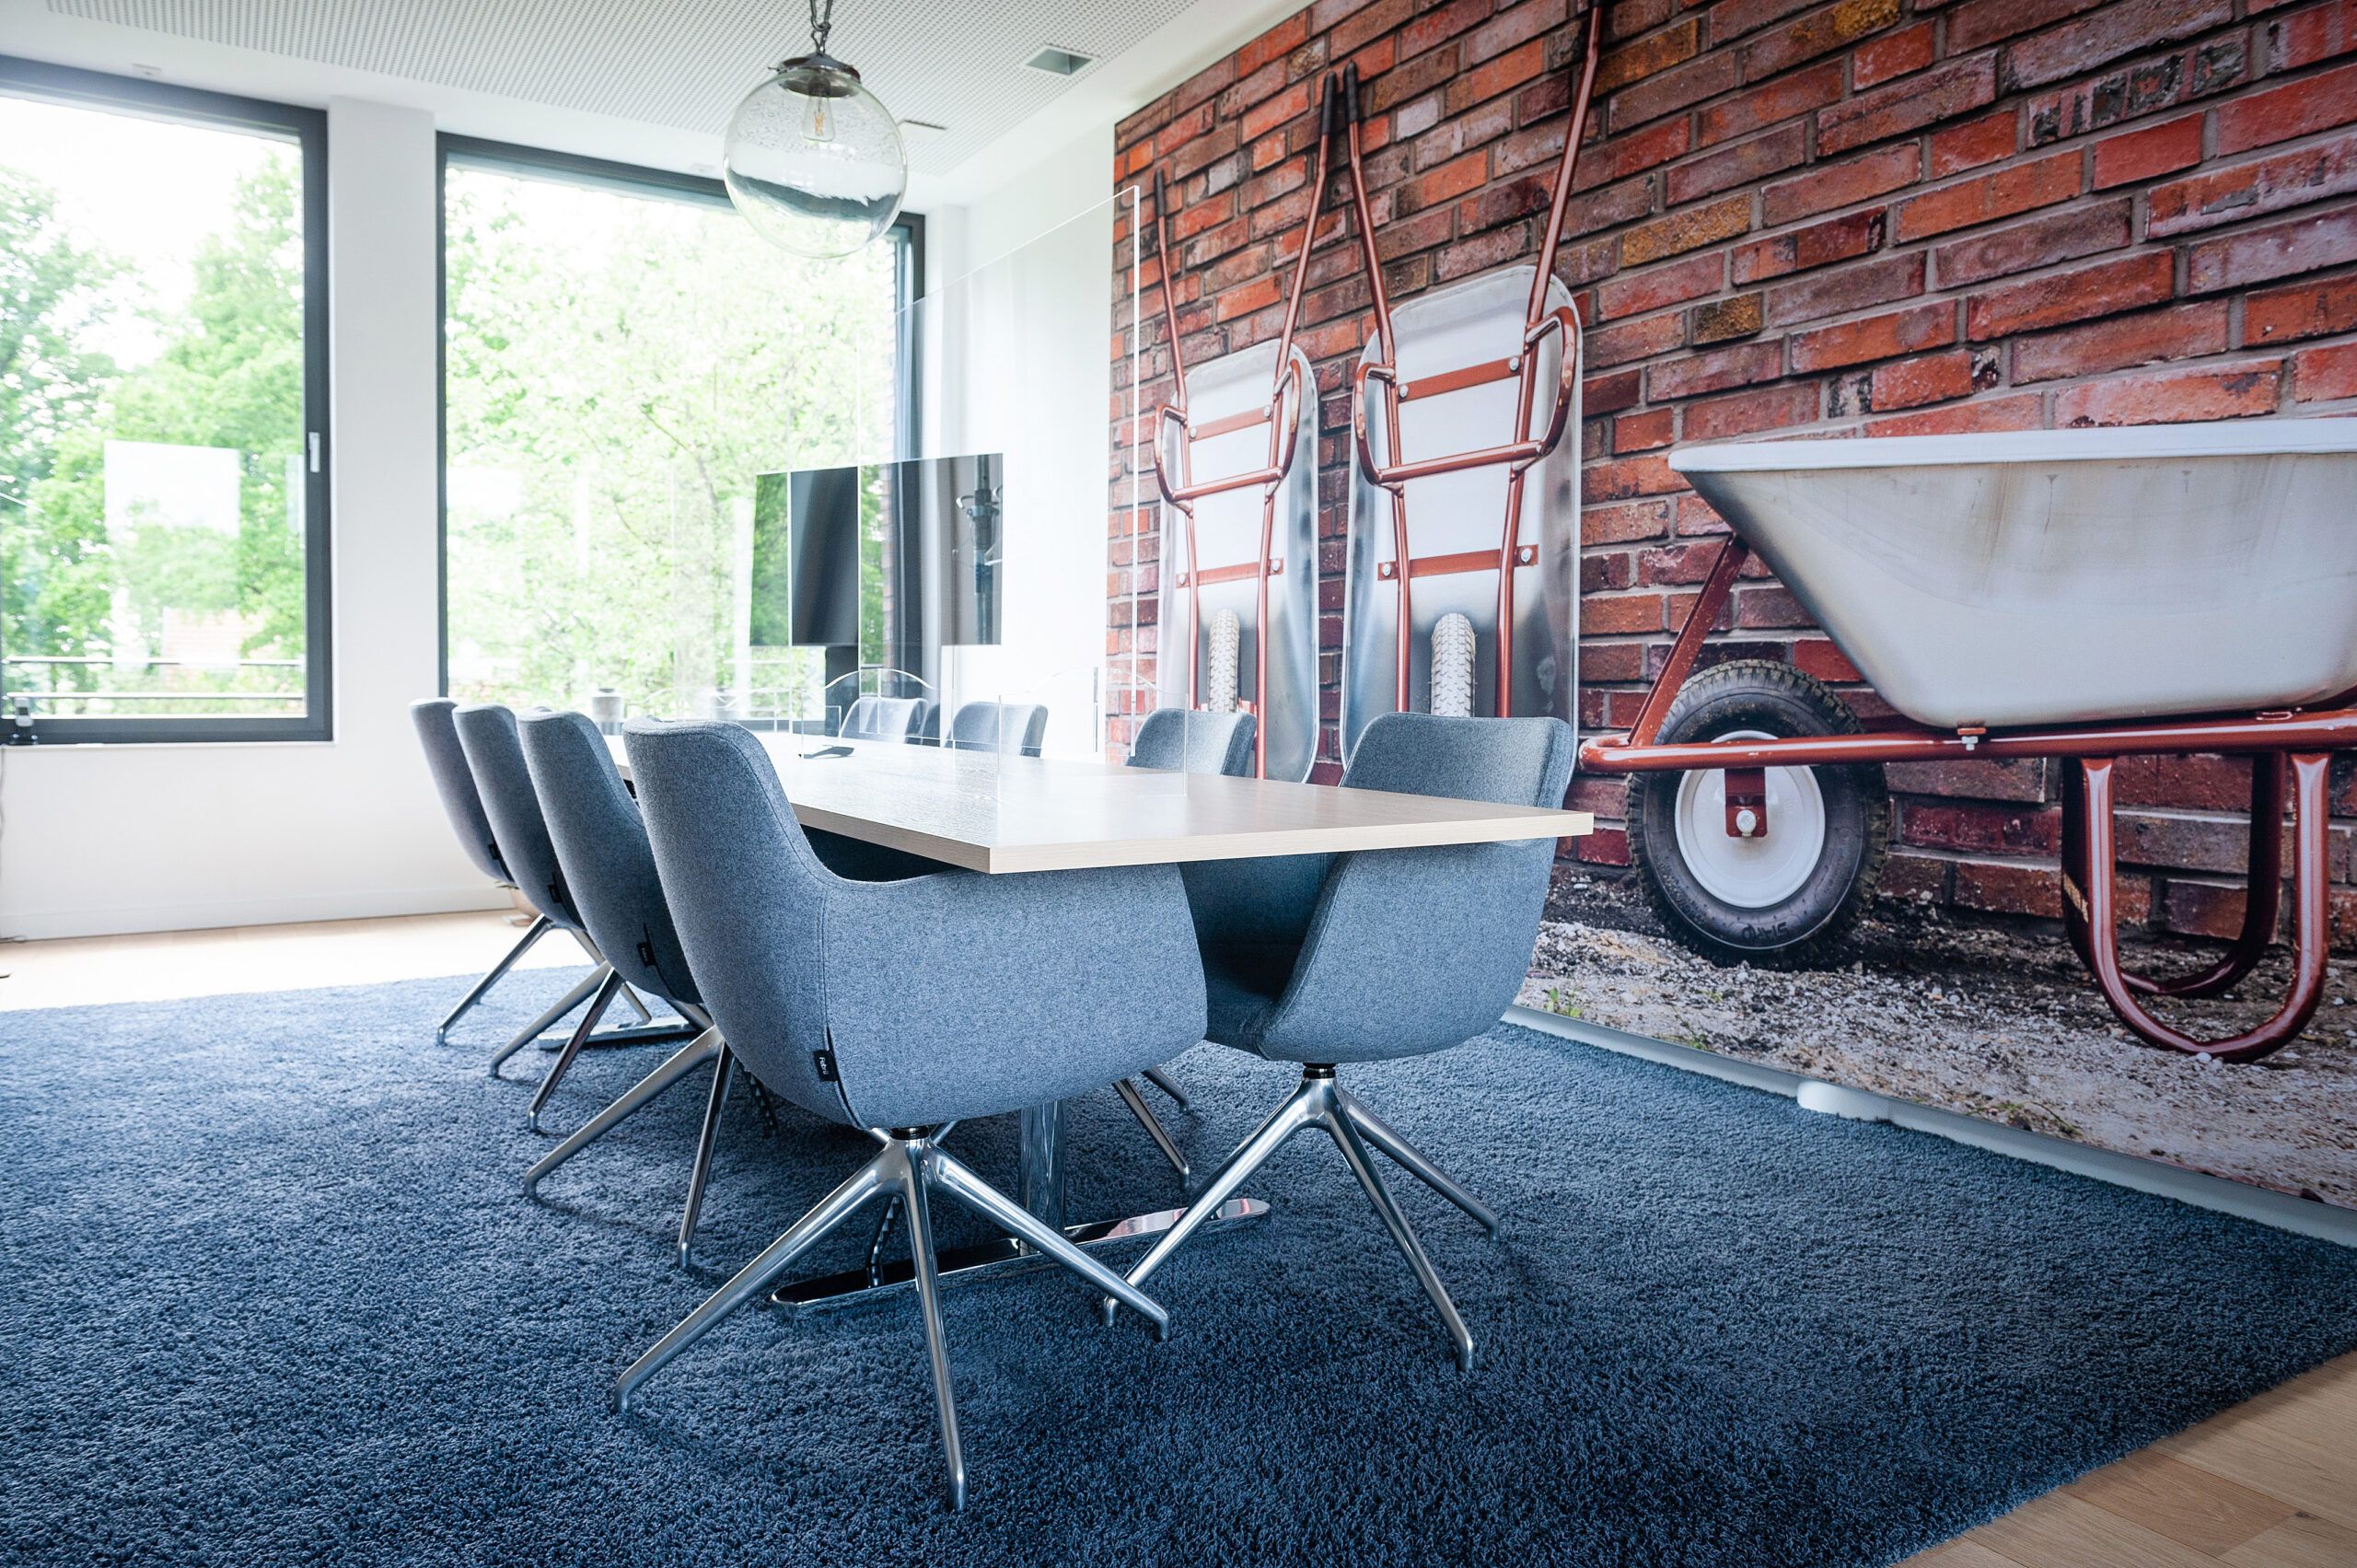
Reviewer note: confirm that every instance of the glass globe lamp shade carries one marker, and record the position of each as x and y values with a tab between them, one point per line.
814	161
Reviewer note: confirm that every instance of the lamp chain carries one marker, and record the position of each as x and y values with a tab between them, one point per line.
821	26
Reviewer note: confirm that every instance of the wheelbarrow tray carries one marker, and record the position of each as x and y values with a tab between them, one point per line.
1227	539
2065	576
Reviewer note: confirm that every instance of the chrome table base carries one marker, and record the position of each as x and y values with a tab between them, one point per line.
989	1259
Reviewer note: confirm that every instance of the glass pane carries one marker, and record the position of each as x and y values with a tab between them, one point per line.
152	445
630	379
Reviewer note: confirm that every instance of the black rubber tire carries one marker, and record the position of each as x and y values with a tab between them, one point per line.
1776	699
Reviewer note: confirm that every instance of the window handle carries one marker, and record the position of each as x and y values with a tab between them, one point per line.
314	451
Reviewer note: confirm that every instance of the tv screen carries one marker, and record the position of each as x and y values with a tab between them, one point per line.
806	559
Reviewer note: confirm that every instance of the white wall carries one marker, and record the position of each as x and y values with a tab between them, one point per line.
123	838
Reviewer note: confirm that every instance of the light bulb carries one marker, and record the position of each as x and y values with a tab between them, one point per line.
817	123
813	161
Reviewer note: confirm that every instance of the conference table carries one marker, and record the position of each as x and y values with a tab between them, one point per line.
1002	814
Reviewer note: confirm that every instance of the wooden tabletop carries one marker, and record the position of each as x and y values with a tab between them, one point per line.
986	812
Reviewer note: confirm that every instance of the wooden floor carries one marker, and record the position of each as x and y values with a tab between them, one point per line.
2270	1485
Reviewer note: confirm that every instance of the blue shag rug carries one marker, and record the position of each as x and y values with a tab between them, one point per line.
271	1294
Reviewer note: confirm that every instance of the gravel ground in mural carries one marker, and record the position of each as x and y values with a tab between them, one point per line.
1986	1019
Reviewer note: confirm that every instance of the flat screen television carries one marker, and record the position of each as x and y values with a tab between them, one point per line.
806	559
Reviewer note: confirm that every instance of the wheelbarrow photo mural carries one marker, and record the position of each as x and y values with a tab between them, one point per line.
2082	596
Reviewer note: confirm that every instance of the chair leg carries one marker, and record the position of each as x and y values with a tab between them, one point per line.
637	1004
701	1172
581	1033
498	971
686	1059
1299	1110
1411	1159
936	1344
1169	1085
945	1172
547	1020
1354	1153
1151	1123
875	1177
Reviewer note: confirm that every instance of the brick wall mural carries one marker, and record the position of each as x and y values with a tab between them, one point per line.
1870	216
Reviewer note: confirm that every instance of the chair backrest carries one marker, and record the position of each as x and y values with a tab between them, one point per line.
455	782
1416	949
1192	741
601	846
495	758
1000	726
883	718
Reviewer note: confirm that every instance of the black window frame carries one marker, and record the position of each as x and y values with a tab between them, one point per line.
308	129
907	233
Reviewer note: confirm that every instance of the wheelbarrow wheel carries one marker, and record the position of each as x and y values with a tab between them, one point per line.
1784	897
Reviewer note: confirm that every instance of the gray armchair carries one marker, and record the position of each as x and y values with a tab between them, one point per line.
1067	980
447	761
1193	741
1391	953
600	842
884	718
496	761
999	727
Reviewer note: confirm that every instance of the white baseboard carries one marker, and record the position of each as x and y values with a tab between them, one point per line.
41	925
2325	1222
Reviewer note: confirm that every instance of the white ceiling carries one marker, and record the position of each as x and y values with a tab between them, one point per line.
595	69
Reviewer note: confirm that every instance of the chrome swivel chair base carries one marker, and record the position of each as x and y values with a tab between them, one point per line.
540	927
1321	1102
1130	1098
911	1167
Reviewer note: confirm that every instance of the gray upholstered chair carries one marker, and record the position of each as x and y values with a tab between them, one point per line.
884	718
1179	740
455	786
1191	741
496	761
1066	981
999	727
1378	954
601	846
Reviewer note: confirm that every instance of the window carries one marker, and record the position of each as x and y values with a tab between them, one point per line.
623	361
163	387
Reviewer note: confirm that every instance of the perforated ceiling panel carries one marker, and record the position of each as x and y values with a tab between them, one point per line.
680	63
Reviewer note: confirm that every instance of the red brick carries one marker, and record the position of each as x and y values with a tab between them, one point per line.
1731	19
1902	53
1835	239
1621	523
1687	230
1672	90
2077	230
2172	399
2147	155
1279	41
2105	34
2021	781
1645	432
2281	250
1601	162
1911	383
1763	106
1622	613
1629	479
1609	394
1987	21
1987	197
1844	289
2303	310
2320	375
2024	411
2179	332
2297	108
1742	366
2317	33
1725	318
1524	21
2010	888
1744	163
1626	341
1649	55
1970	825
2200	783
1818	33
1842	184
1876	337
2077	295
1816	655
1974	143
2246	191
1746	414
1900	107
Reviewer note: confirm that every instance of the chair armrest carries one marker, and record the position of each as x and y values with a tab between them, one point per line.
962	994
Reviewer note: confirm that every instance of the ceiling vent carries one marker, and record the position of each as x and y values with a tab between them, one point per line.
1059	61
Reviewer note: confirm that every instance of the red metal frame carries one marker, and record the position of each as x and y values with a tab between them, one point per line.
1516	456
2289	742
1282	416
